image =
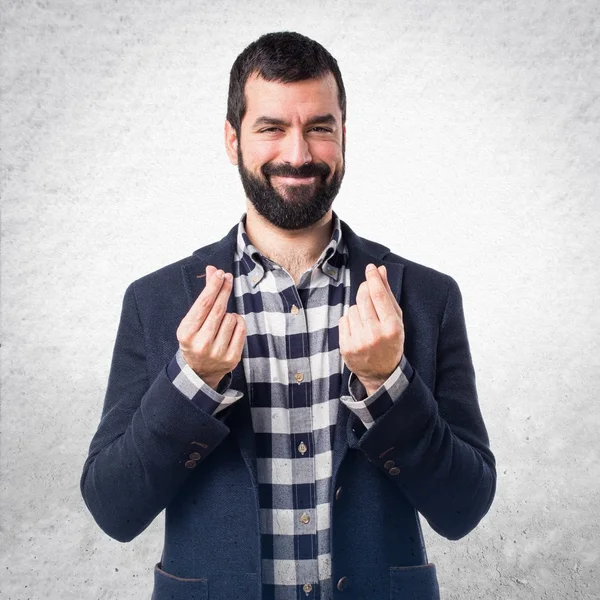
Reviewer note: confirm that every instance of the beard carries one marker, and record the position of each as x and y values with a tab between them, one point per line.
304	204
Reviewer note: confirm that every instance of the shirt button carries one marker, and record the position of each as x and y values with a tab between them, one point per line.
388	464
190	464
302	448
394	471
305	518
295	310
307	588
255	279
299	377
338	493
195	456
342	583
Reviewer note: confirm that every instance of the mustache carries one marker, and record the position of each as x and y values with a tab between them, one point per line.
309	170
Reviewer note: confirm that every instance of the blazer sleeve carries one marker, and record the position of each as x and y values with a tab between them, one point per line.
433	444
150	439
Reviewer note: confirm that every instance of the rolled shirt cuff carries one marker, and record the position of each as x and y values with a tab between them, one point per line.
370	408
193	387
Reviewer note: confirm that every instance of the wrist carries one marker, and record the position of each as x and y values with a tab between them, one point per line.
372	385
212	381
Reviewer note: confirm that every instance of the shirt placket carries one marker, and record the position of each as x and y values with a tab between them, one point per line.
301	442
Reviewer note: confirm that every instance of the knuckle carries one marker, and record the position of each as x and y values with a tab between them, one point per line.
205	302
394	331
378	293
219	309
202	348
184	336
368	344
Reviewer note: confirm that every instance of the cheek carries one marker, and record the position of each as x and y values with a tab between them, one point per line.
256	153
332	155
262	155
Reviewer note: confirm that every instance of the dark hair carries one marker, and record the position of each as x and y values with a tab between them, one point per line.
286	57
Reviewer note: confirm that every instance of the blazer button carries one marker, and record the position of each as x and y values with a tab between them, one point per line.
342	583
190	464
195	456
338	493
394	471
388	464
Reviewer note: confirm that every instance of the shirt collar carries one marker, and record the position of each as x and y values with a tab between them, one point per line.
254	264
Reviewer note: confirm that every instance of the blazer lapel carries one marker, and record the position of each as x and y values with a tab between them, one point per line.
239	420
361	252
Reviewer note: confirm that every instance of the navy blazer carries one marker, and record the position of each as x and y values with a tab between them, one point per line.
429	453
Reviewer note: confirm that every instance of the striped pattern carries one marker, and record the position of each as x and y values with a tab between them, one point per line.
293	369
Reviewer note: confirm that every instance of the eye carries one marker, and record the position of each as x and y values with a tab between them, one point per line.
269	130
320	129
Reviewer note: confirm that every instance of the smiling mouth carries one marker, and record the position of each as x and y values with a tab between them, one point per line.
294	180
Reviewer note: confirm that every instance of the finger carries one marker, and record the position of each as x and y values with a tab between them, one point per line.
223	337
344	332
365	305
200	309
211	324
236	344
383	272
354	321
379	294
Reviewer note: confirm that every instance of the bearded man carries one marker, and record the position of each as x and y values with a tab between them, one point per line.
293	395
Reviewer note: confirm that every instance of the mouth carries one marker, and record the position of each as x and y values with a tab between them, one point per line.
294	180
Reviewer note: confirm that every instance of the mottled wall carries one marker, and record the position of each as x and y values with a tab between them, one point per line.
473	144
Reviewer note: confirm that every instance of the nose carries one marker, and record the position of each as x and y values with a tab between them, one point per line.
296	151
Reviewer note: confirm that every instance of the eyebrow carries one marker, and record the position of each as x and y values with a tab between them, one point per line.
327	119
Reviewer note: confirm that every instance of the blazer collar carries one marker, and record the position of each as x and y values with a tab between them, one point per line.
361	253
221	255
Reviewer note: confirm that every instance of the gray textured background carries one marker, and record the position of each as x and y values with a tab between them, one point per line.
473	144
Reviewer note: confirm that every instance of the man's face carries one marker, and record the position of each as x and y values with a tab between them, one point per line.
290	154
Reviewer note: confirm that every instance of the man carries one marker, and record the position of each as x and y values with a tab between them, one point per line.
293	395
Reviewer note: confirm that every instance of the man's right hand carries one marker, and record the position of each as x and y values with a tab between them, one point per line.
210	339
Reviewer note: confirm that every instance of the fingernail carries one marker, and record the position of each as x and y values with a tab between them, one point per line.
370	267
229	277
220	274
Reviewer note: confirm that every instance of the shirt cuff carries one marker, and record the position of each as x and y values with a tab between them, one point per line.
197	390
370	408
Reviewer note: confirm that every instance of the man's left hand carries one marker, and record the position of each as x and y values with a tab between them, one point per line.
372	333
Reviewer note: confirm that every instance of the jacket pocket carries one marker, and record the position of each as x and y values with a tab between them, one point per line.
169	587
414	583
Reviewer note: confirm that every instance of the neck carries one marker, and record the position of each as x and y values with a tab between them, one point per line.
292	249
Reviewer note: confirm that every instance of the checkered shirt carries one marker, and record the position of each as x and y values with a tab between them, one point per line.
293	368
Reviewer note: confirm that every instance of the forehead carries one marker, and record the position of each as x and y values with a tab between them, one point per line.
300	98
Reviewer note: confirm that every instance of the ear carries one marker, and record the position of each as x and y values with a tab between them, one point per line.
231	143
